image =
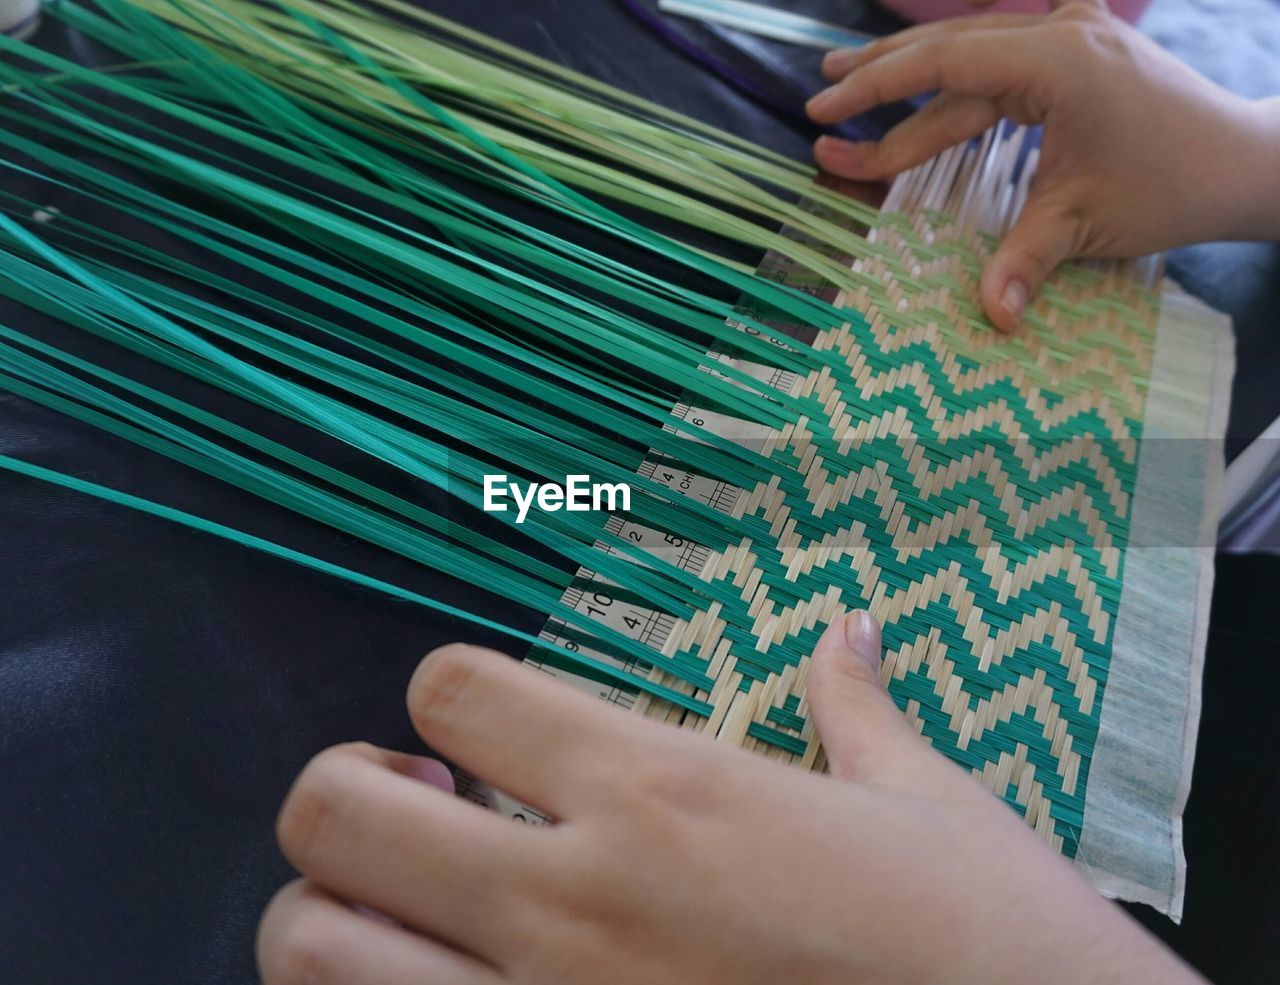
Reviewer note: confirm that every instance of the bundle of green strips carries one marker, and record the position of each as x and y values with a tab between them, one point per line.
430	257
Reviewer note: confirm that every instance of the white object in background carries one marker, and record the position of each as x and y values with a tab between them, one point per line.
780	25
19	18
1251	466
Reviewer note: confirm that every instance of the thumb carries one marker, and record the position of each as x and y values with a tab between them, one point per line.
858	722
865	736
1045	234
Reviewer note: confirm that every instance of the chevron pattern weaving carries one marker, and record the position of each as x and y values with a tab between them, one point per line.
973	491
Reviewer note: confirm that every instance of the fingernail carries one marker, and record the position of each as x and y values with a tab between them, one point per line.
821	99
835	151
377	916
434	772
862	633
836	145
1014	298
839	61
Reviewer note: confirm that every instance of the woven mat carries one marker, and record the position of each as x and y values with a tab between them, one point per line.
1030	518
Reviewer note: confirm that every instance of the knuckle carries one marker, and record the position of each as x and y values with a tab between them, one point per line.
853	677
1084	31
888	156
875	87
946	68
1070	211
665	781
1086	11
1037	259
1071	219
293	947
935	52
313	805
1075	33
442	687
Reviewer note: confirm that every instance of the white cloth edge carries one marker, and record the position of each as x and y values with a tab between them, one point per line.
1131	839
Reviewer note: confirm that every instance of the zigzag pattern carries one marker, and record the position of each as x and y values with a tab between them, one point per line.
973	491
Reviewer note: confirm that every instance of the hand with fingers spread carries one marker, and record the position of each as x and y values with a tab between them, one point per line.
675	858
1139	153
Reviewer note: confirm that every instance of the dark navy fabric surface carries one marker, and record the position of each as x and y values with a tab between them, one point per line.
159	689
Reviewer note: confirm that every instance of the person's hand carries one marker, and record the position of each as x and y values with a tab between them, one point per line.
674	858
1139	152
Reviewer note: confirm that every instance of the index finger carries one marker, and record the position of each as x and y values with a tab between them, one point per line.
973	63
533	737
841	61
